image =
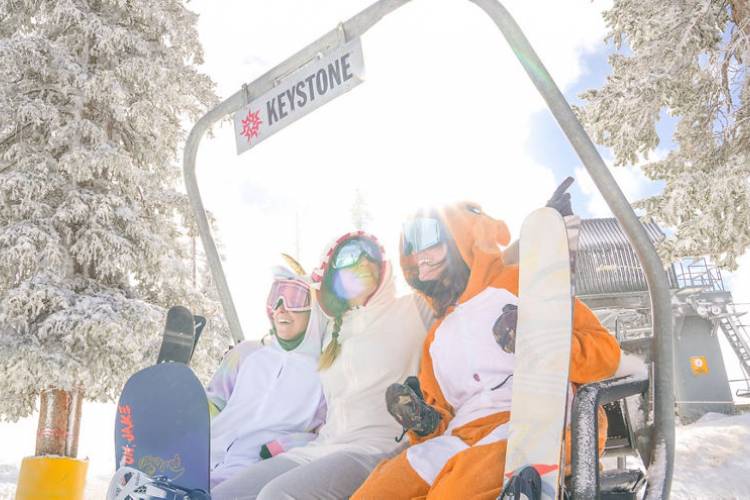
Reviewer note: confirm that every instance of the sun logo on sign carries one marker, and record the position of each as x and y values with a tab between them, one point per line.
251	125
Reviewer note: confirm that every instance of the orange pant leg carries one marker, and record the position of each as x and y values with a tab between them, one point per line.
392	479
475	473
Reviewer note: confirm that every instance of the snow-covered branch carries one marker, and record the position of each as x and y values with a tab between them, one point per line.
685	58
93	231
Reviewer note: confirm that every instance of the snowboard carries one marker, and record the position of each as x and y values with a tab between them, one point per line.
179	337
200	323
542	352
162	435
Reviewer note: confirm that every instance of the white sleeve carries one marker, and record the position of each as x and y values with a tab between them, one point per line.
424	309
221	386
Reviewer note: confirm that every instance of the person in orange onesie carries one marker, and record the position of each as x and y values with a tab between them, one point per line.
457	414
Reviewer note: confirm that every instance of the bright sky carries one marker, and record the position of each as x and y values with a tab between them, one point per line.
445	113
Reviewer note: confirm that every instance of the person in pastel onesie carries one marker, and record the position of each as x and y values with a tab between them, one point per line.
266	397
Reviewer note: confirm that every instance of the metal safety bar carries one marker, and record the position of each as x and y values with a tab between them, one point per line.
663	439
585	429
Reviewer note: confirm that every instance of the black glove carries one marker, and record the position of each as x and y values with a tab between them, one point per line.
504	328
560	200
406	403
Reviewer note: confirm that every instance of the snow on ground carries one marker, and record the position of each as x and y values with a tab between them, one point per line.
95	443
713	459
712	454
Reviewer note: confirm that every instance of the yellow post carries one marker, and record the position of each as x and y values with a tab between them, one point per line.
51	478
54	473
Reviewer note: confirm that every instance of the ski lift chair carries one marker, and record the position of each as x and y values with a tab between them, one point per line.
655	440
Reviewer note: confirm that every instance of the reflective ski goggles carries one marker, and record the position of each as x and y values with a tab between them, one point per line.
294	294
420	234
352	251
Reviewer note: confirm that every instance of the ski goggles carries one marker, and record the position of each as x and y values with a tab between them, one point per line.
294	294
353	250
420	234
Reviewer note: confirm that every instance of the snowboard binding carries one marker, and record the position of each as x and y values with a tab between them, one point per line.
131	484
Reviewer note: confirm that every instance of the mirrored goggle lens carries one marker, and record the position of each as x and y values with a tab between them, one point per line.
295	295
352	251
421	234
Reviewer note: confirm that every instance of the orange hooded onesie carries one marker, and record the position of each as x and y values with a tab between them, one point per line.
467	377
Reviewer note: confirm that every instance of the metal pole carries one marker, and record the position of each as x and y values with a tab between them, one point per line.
585	429
59	422
662	449
214	262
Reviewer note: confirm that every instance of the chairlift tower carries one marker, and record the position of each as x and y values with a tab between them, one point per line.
610	280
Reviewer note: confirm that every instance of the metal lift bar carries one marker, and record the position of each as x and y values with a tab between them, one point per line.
662	443
585	428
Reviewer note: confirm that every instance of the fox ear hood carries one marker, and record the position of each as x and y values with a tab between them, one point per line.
477	235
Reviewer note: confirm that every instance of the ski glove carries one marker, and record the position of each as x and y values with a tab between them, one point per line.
560	200
406	403
504	328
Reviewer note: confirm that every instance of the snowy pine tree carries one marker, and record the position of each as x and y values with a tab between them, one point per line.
94	99
360	212
688	58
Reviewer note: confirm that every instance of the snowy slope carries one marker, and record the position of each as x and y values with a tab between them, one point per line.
712	454
713	459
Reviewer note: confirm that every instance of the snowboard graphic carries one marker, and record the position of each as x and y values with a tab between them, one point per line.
179	336
542	349
162	429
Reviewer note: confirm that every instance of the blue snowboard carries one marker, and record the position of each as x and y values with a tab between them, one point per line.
162	428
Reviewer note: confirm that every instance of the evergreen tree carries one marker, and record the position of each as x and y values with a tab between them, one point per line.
688	58
360	211
94	243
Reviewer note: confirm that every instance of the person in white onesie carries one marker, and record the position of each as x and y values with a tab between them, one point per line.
266	397
373	339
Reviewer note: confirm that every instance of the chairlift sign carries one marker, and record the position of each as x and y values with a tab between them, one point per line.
297	94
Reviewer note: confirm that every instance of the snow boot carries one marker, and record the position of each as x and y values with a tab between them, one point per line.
524	485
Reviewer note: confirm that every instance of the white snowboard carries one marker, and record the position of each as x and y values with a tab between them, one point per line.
542	350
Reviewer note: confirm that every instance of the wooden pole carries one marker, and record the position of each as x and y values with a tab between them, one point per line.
59	422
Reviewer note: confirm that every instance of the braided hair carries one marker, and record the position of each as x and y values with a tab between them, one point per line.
336	307
333	348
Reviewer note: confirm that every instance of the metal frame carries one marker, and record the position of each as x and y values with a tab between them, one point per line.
585	429
662	442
